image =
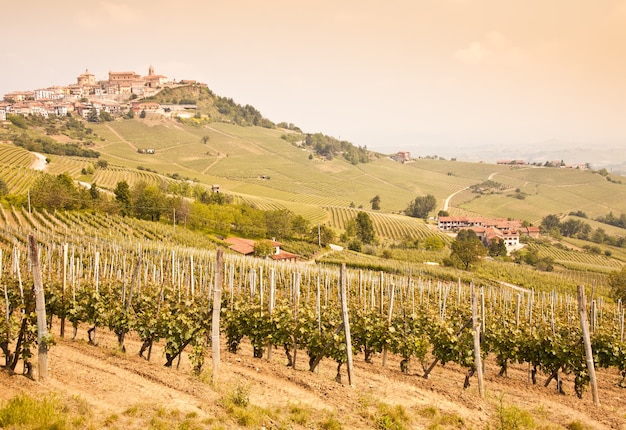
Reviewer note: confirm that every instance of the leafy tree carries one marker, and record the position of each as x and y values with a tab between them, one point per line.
205	139
571	227
18	121
375	202
545	263
94	193
467	249
300	226
355	245
617	283
579	214
249	221
263	248
365	228
130	114
421	206
599	235
55	192
93	115
123	197
433	243
530	256
105	116
323	234
148	201
279	223
497	248
102	164
550	223
142	114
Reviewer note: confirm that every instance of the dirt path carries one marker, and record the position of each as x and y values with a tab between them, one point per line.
446	203
114	384
39	163
119	136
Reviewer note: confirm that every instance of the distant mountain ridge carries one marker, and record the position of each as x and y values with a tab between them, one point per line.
612	158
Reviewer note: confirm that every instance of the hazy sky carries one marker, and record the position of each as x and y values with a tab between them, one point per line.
390	75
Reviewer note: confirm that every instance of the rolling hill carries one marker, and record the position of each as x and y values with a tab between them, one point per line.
260	166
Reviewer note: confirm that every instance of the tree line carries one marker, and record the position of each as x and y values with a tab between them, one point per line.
578	229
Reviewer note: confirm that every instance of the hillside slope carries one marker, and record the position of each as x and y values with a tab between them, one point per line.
256	161
103	388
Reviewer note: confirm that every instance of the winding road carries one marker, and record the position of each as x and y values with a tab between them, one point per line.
446	203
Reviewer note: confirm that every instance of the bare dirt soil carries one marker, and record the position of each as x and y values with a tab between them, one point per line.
121	390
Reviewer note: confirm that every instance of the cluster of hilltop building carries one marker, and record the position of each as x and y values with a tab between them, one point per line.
120	92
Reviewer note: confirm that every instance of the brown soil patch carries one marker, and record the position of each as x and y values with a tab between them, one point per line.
113	383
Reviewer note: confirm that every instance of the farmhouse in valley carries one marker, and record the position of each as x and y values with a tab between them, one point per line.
489	229
246	247
401	157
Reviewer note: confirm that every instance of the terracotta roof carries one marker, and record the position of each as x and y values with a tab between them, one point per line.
284	255
242	246
246	246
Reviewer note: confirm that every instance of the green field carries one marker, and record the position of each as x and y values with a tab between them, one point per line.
256	167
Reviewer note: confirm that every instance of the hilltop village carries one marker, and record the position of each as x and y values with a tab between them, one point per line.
117	94
128	90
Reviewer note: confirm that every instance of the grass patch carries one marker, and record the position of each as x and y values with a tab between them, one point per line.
440	420
577	425
23	411
237	405
510	417
159	418
299	414
330	423
391	417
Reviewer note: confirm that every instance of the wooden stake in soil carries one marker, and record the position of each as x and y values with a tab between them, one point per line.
217	308
477	358
584	323
64	287
40	309
346	323
272	302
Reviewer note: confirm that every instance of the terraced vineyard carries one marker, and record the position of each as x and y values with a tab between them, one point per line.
578	260
15	156
17	178
70	165
396	227
109	177
15	168
76	227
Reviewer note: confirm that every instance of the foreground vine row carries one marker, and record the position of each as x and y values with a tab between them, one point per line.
164	295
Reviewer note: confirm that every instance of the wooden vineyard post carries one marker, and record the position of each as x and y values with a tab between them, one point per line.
389	317
217	308
272	302
517	309
476	331
346	323
64	287
5	340
129	297
584	323
40	309
295	305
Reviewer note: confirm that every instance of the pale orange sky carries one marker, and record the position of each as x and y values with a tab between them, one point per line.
419	74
